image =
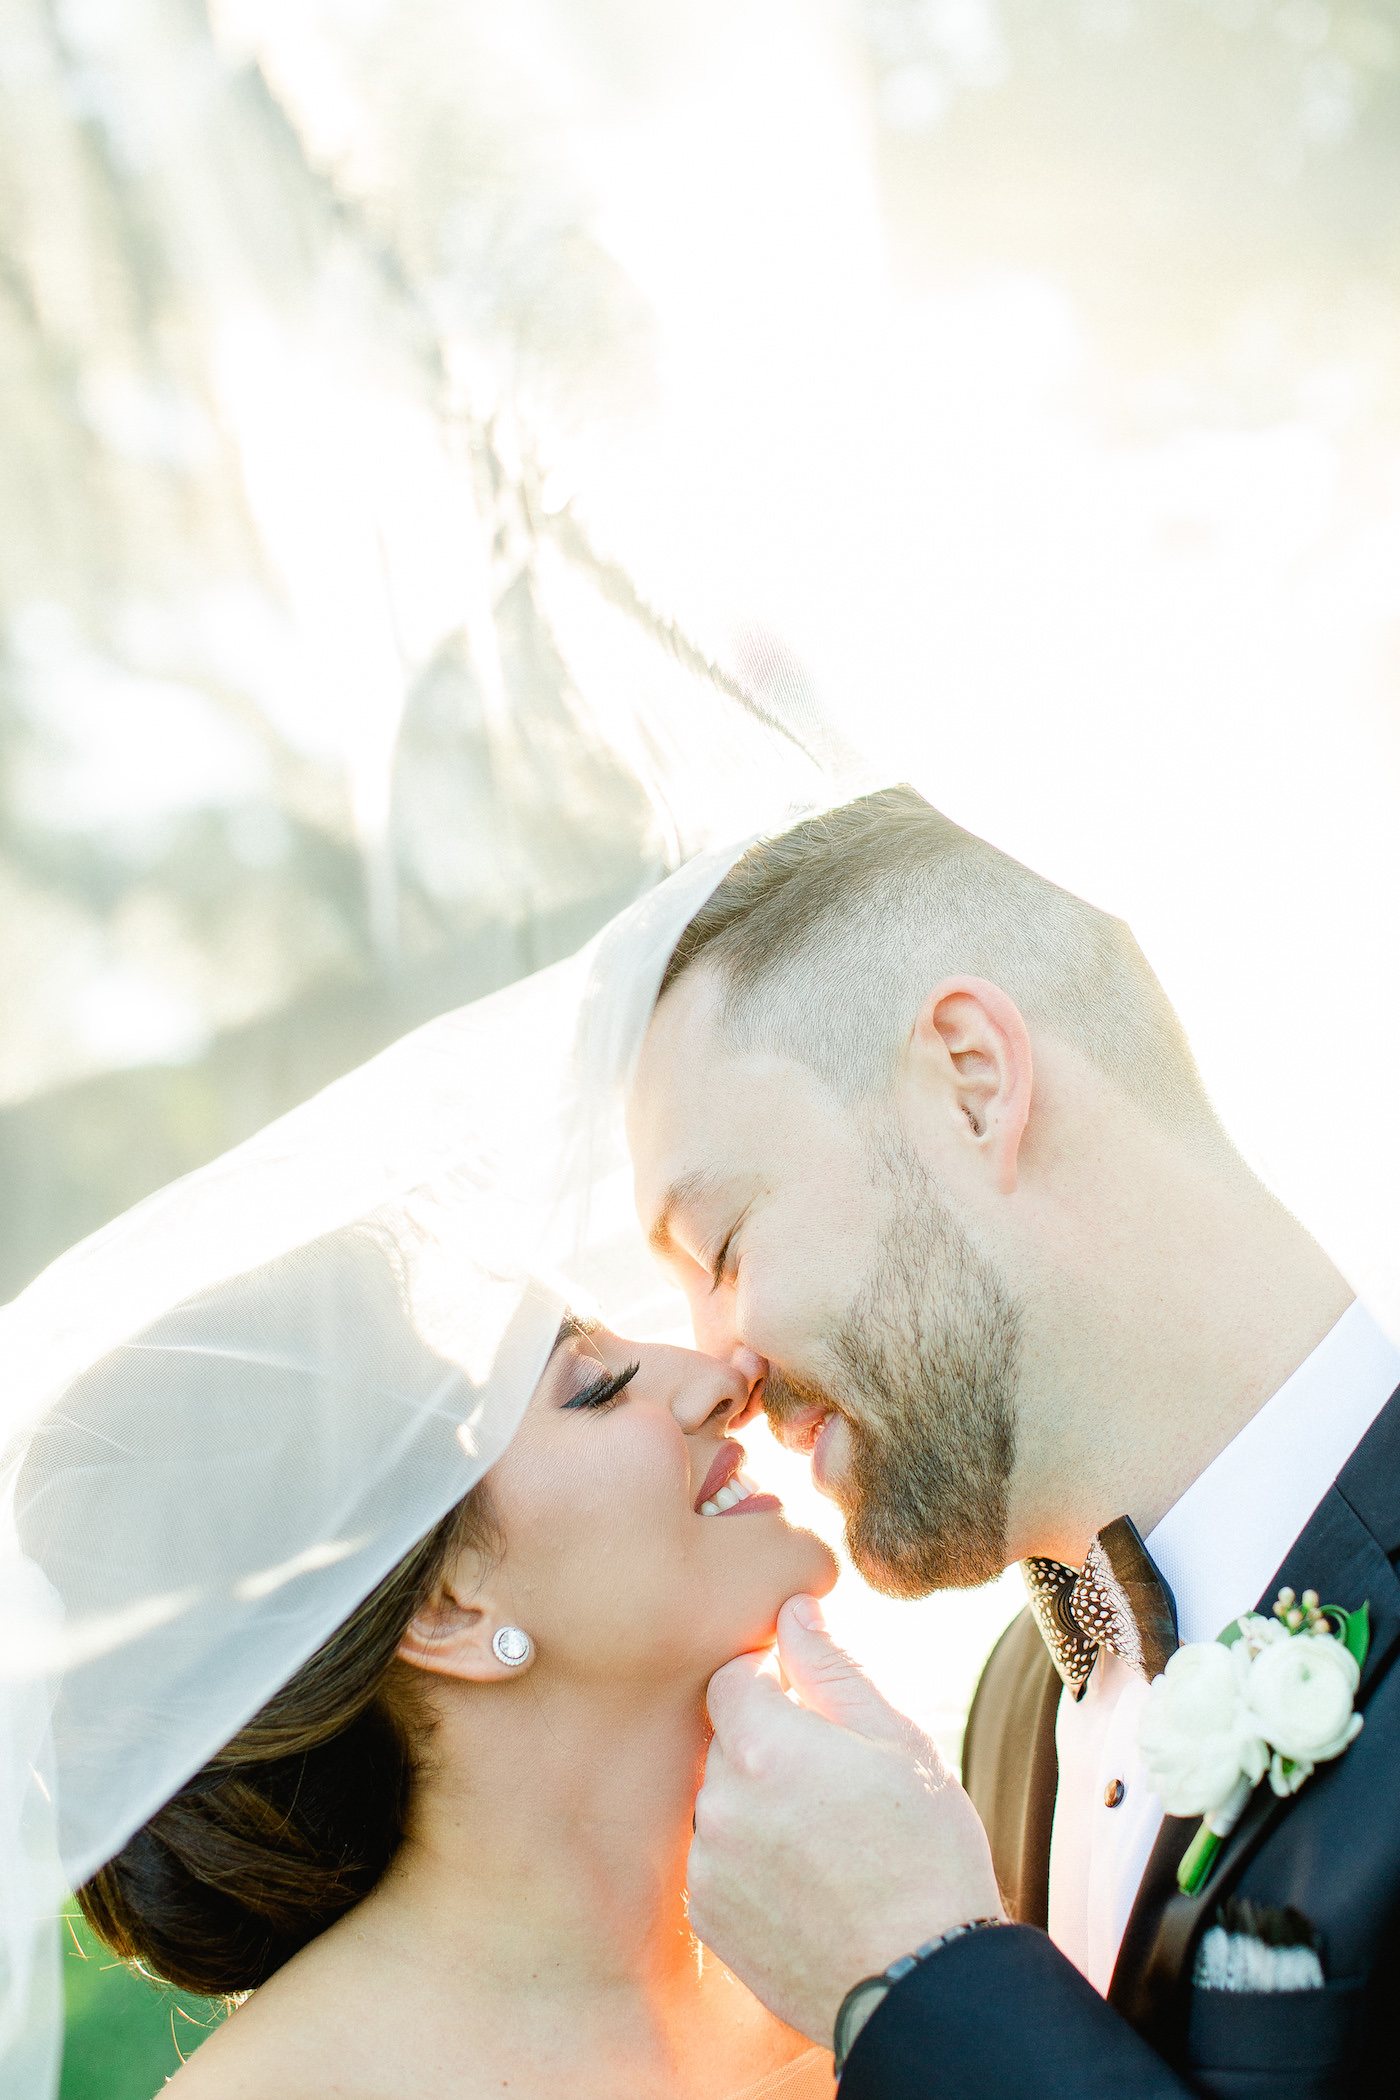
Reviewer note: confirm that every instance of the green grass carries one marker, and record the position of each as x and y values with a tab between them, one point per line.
123	2036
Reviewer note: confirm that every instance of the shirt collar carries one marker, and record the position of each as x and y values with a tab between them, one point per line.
1220	1543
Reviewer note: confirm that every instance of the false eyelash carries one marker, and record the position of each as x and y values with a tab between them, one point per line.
605	1390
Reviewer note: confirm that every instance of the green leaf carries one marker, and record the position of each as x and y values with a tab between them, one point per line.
1197	1861
1233	1632
1353	1628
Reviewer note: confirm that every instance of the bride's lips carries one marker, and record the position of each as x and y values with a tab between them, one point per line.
725	1464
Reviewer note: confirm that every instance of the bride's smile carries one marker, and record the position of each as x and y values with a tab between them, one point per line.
606	1503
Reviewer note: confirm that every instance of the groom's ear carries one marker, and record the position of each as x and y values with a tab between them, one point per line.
970	1066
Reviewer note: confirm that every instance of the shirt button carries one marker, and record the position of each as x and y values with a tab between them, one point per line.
1113	1793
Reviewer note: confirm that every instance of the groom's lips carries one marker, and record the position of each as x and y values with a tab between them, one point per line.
799	1430
809	1433
822	1452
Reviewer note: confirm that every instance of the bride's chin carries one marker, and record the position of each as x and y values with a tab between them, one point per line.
815	1567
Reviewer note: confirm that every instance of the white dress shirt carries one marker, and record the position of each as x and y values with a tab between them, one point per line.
1217	1548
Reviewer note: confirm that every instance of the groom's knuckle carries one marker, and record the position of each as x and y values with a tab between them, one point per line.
717	1816
750	1755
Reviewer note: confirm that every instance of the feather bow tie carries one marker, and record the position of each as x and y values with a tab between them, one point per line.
1117	1600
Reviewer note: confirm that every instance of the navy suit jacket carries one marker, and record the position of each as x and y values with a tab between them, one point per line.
1003	2016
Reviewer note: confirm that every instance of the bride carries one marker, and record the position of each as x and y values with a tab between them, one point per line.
360	1601
448	1857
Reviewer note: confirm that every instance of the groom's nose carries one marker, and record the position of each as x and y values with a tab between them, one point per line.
712	1317
753	1369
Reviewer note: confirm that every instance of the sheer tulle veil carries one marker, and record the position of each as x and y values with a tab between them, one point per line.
229	1413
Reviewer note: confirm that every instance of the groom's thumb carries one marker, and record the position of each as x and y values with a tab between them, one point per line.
824	1677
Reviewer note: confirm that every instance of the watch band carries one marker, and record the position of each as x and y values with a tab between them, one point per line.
863	1998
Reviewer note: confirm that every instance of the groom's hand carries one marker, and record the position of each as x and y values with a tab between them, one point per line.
830	1837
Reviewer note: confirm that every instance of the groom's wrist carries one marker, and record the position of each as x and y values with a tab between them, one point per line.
865	1998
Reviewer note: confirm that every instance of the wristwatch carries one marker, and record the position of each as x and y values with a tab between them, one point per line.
863	1998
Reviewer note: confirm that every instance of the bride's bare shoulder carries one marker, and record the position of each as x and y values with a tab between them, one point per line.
344	2020
258	2054
308	2034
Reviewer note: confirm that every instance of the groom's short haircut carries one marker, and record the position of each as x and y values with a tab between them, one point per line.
824	940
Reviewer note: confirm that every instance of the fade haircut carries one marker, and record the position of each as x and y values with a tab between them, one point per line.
825	940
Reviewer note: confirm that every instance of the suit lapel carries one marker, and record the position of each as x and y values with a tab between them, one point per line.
1343	1551
1010	1768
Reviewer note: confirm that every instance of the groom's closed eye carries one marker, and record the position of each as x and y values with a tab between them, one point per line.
718	1267
718	1264
685	1205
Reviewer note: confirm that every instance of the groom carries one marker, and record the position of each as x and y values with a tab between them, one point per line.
922	1138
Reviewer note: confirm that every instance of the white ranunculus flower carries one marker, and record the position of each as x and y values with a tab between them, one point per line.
1197	1736
1299	1694
1260	1632
1286	1776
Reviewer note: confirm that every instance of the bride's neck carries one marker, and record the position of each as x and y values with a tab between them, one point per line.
548	1836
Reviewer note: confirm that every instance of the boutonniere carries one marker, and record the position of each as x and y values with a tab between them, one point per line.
1272	1695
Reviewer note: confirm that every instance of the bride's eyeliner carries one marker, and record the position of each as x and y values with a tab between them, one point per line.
604	1391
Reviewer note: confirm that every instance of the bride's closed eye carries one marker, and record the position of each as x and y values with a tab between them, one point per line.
604	1391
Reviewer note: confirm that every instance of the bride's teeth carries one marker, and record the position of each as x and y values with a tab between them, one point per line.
737	1488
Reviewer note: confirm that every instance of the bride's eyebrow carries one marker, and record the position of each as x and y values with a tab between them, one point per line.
573	1324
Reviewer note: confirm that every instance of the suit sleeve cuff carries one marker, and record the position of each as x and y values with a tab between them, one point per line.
995	2016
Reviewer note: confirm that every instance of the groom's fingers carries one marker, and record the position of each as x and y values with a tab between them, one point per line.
823	1676
828	1682
752	1712
743	1695
828	1836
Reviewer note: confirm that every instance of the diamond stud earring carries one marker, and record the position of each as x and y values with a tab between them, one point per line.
513	1646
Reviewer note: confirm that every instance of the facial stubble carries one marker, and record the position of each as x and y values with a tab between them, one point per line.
924	1371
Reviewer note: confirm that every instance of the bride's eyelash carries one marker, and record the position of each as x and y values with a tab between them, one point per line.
604	1391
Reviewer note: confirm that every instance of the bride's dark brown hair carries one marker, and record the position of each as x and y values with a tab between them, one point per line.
297	1818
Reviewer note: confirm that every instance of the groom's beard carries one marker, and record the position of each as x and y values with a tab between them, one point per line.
926	1366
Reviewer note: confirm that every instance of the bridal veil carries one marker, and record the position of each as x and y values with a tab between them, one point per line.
230	1412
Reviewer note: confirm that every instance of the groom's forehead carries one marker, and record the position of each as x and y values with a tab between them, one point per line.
692	1116
703	1114
684	1055
684	1072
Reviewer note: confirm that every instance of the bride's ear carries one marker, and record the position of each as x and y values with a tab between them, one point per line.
454	1638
